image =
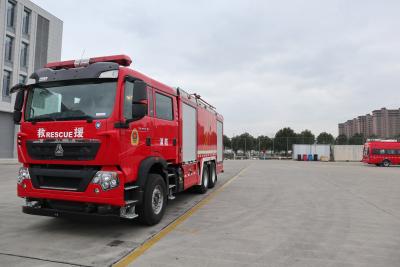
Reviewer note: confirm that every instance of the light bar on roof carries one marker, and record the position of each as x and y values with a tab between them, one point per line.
122	60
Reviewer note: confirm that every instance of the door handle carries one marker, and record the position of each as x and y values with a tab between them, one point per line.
148	141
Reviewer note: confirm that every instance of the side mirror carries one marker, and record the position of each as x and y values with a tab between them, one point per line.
139	91
139	110
17	116
139	100
17	87
19	100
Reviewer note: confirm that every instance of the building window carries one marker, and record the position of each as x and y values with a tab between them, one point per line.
24	55
9	48
26	20
22	79
6	83
10	14
164	107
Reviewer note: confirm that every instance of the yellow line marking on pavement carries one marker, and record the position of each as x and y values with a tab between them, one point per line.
131	257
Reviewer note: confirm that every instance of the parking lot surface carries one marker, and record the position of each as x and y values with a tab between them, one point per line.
27	240
274	213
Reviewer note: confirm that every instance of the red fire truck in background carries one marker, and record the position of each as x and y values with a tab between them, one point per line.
382	152
98	138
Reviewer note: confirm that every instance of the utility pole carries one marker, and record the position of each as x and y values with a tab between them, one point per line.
287	145
273	145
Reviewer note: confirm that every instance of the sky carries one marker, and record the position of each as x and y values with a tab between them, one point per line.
263	64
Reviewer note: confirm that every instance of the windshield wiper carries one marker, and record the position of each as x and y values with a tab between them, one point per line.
41	118
71	118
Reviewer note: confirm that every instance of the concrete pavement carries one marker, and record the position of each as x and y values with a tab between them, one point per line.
285	213
28	240
275	213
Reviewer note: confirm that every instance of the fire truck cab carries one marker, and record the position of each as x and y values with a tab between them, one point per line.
98	138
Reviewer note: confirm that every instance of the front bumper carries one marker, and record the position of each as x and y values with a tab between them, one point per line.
92	194
64	213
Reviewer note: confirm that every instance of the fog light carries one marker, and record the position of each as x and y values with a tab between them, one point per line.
107	180
23	174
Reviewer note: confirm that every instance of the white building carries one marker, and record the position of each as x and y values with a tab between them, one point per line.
29	38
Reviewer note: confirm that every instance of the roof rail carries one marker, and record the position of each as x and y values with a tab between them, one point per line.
198	97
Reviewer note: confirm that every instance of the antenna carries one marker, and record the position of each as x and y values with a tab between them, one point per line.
83	53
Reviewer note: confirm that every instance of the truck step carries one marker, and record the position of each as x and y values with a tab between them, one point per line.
171	197
131	187
172	186
129	202
171	174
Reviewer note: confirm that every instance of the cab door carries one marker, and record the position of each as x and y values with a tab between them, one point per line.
136	134
165	120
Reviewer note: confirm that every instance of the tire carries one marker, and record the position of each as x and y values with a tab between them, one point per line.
212	176
386	163
201	189
154	202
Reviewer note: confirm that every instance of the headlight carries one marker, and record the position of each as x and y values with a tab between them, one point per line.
23	174
107	180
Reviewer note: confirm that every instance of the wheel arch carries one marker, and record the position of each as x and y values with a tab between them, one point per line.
155	165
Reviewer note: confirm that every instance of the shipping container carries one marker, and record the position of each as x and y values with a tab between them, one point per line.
315	149
347	152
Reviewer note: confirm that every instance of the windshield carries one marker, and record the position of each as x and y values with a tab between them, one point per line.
89	100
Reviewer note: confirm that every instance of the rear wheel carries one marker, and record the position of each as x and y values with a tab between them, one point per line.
213	176
152	209
386	163
201	189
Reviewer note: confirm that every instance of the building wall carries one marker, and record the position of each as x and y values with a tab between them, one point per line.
52	40
383	123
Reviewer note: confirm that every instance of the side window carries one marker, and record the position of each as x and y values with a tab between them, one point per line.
128	92
164	107
151	102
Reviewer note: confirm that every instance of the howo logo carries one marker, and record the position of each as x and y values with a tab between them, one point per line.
59	152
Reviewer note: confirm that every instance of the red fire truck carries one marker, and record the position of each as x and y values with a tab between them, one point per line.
382	153
98	138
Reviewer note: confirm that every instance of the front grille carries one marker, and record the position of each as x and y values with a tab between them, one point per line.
50	150
70	178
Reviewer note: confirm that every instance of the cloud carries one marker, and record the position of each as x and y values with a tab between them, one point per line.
263	64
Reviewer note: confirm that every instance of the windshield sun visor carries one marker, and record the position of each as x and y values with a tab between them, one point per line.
90	72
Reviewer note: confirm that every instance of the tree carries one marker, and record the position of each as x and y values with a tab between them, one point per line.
325	138
263	143
227	142
341	140
284	139
306	137
243	142
357	139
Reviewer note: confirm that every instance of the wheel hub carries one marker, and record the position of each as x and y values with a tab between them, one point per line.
157	200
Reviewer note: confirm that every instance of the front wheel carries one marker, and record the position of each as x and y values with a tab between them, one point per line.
386	163
152	209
